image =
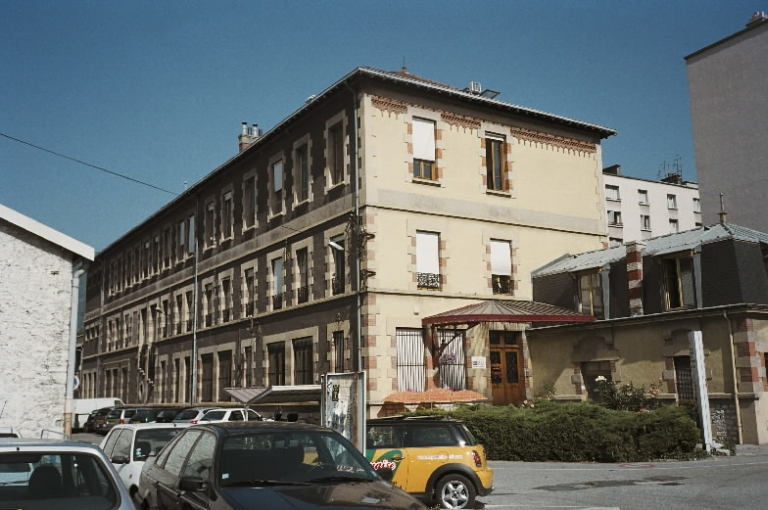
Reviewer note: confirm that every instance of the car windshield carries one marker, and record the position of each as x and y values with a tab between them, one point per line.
189	414
152	440
214	415
65	481
270	457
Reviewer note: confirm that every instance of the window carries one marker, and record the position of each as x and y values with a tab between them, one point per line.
178	313
181	248
674	226
591	295
276	360
339	348
200	462
684	378
302	361
427	260
175	459
612	193
209	305
190	310
679	283
210	231
642	197
276	172
248	355
590	371
495	161
226	215
615	241
192	235
451	360
614	218
226	299
249	202
338	282
225	374
696	205
301	176
277	283
424	149
167	249
302	268
147	261
249	292
156	254
410	360
645	222
501	267
671	202
336	153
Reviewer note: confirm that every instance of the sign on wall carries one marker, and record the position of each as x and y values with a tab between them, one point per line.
342	405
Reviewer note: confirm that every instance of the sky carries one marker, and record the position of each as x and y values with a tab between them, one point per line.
157	91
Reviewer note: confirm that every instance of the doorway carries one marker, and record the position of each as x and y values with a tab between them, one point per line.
507	380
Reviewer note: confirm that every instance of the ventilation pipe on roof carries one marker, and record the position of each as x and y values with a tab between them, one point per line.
249	135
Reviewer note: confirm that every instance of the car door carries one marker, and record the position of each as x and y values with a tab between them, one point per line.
429	446
385	448
122	454
167	477
199	465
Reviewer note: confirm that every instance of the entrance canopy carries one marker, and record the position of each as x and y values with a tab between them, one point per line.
298	394
505	311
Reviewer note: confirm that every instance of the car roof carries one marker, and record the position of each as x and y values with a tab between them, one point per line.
234	428
22	444
140	426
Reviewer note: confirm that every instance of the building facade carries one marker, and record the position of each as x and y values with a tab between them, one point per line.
727	81
638	209
323	244
38	276
648	297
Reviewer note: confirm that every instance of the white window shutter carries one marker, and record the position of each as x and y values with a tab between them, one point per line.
423	139
427	254
501	258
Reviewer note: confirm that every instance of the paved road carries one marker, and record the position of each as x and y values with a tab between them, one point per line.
720	483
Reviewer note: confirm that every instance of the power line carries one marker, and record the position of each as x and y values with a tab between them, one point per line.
89	165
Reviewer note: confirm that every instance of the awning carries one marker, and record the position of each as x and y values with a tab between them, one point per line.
244	394
299	394
506	311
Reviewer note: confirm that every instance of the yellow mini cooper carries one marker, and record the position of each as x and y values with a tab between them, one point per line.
435	459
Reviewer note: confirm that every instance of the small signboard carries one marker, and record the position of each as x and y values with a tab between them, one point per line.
478	362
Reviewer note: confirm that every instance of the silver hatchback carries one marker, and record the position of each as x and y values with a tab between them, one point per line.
65	475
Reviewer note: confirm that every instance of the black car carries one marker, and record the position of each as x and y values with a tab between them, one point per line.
97	420
293	465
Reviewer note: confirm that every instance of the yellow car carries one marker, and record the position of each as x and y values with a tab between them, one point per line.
434	459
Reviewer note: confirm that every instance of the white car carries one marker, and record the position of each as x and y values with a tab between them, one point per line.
60	474
128	446
230	414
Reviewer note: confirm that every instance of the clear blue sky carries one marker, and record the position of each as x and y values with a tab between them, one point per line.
157	90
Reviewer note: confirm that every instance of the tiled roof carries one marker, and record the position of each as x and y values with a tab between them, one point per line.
662	245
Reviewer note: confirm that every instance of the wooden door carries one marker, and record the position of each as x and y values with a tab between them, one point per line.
507	377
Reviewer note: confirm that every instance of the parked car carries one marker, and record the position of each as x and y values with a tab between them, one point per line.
84	407
118	416
65	475
192	415
99	422
90	423
9	432
230	414
293	465
128	446
436	460
145	415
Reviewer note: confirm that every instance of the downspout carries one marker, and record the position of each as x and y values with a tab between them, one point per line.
77	272
735	381
358	276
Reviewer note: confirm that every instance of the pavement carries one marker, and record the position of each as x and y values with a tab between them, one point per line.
751	449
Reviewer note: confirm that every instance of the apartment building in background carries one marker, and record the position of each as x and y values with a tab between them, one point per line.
638	209
329	242
727	81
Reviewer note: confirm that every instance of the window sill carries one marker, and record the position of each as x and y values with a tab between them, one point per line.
426	182
332	187
275	215
618	200
300	203
646	204
617	225
499	193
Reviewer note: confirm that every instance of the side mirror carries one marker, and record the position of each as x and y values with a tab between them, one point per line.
119	459
386	474
191	483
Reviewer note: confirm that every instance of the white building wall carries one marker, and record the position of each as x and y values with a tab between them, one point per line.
631	209
35	290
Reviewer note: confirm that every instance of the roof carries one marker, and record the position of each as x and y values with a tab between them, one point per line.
655	246
758	20
46	233
506	311
300	393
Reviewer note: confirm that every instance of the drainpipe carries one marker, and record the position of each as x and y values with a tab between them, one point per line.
77	272
735	381
358	275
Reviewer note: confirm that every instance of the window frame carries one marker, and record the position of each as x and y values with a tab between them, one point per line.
496	162
424	143
594	290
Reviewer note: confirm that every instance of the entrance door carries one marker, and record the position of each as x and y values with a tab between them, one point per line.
507	381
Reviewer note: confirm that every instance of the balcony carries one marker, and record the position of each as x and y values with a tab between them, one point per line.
303	294
501	284
428	281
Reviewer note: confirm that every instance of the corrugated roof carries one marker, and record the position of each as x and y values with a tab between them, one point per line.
655	246
506	311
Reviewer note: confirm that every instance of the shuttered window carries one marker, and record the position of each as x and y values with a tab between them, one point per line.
410	360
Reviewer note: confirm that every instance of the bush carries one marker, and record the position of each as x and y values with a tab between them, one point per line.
580	432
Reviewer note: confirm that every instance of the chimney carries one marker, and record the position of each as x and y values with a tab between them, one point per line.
757	18
635	276
248	136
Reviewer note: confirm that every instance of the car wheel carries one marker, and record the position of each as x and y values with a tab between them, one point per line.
455	491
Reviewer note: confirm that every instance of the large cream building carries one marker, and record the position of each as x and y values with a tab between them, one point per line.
328	242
